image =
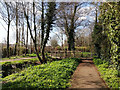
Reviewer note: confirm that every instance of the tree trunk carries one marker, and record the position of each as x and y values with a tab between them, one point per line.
8	39
23	39
71	31
16	30
71	41
31	45
26	51
42	25
39	43
37	52
34	40
43	54
8	32
19	42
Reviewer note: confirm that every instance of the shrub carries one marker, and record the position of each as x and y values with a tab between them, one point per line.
83	49
11	51
4	51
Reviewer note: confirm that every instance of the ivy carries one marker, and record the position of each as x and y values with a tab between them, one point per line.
109	19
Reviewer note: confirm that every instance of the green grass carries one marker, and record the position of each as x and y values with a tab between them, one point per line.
19	61
85	52
56	74
13	57
22	56
31	55
108	73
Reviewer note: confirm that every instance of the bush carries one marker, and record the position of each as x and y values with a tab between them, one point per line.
83	49
4	51
51	75
97	61
11	51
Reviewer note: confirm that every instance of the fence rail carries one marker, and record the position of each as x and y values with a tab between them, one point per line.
72	54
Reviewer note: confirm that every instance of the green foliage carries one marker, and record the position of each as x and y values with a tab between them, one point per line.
107	34
51	75
4	51
31	55
82	49
108	73
97	61
97	38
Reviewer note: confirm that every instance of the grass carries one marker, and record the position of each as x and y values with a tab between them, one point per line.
56	74
22	56
108	73
19	61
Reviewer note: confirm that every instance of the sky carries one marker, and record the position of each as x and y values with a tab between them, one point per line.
3	29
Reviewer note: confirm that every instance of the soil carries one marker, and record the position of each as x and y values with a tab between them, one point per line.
87	76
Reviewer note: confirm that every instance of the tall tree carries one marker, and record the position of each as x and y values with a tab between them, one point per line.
7	14
27	32
68	18
50	17
42	25
34	39
16	29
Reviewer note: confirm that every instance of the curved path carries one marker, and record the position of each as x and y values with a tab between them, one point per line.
87	76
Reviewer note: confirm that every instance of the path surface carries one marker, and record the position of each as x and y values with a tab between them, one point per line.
17	59
86	76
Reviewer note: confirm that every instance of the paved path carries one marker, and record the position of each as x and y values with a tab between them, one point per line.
87	76
17	59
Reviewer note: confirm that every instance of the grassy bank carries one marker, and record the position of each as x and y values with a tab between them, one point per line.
21	56
51	75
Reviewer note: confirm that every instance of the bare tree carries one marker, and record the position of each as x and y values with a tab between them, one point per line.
69	19
27	32
34	39
7	14
16	45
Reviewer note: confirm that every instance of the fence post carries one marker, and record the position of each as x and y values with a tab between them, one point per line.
65	53
59	54
74	53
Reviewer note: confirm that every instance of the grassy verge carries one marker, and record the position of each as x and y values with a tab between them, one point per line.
51	75
108	73
22	56
19	61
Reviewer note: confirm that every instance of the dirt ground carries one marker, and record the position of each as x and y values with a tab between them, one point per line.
87	76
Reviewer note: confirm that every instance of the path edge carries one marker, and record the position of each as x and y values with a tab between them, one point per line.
100	76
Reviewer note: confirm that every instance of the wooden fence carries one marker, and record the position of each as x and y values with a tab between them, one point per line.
70	54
